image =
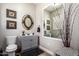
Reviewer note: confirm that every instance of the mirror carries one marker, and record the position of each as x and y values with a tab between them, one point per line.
27	22
53	21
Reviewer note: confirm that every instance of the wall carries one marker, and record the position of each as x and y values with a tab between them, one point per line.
75	32
21	9
74	19
1	33
51	44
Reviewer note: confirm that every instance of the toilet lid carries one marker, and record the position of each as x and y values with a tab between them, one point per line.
12	46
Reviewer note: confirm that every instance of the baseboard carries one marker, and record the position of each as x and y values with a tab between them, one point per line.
46	50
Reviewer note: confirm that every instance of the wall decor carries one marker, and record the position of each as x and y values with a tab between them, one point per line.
10	13
38	29
27	22
48	21
11	24
48	27
44	24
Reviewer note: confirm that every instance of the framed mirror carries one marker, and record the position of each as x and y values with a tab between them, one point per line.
53	16
27	22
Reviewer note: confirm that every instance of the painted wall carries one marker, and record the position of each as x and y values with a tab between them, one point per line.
1	33
75	33
75	29
49	43
21	9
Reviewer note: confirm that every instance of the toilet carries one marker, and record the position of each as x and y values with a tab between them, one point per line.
10	49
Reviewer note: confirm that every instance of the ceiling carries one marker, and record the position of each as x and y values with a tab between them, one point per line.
51	8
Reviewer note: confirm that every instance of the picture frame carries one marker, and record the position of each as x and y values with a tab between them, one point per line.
48	21
27	22
48	27
11	24
10	13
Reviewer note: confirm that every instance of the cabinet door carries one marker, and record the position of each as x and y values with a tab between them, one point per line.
34	42
26	43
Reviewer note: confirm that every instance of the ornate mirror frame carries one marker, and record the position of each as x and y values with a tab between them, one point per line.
24	19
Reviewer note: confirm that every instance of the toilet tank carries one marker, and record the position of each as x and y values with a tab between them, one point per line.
11	39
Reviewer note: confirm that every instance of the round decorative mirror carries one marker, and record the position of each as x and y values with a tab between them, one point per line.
27	22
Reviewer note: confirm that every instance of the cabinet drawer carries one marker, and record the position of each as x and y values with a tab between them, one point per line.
26	44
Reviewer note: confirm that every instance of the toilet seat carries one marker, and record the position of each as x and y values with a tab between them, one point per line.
11	48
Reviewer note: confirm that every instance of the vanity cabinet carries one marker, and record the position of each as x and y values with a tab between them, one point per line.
27	42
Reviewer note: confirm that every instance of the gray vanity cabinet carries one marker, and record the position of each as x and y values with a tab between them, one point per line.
28	42
34	41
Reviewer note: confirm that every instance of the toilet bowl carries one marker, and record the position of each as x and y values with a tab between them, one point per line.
10	49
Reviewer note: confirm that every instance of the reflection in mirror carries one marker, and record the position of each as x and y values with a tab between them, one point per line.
53	21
